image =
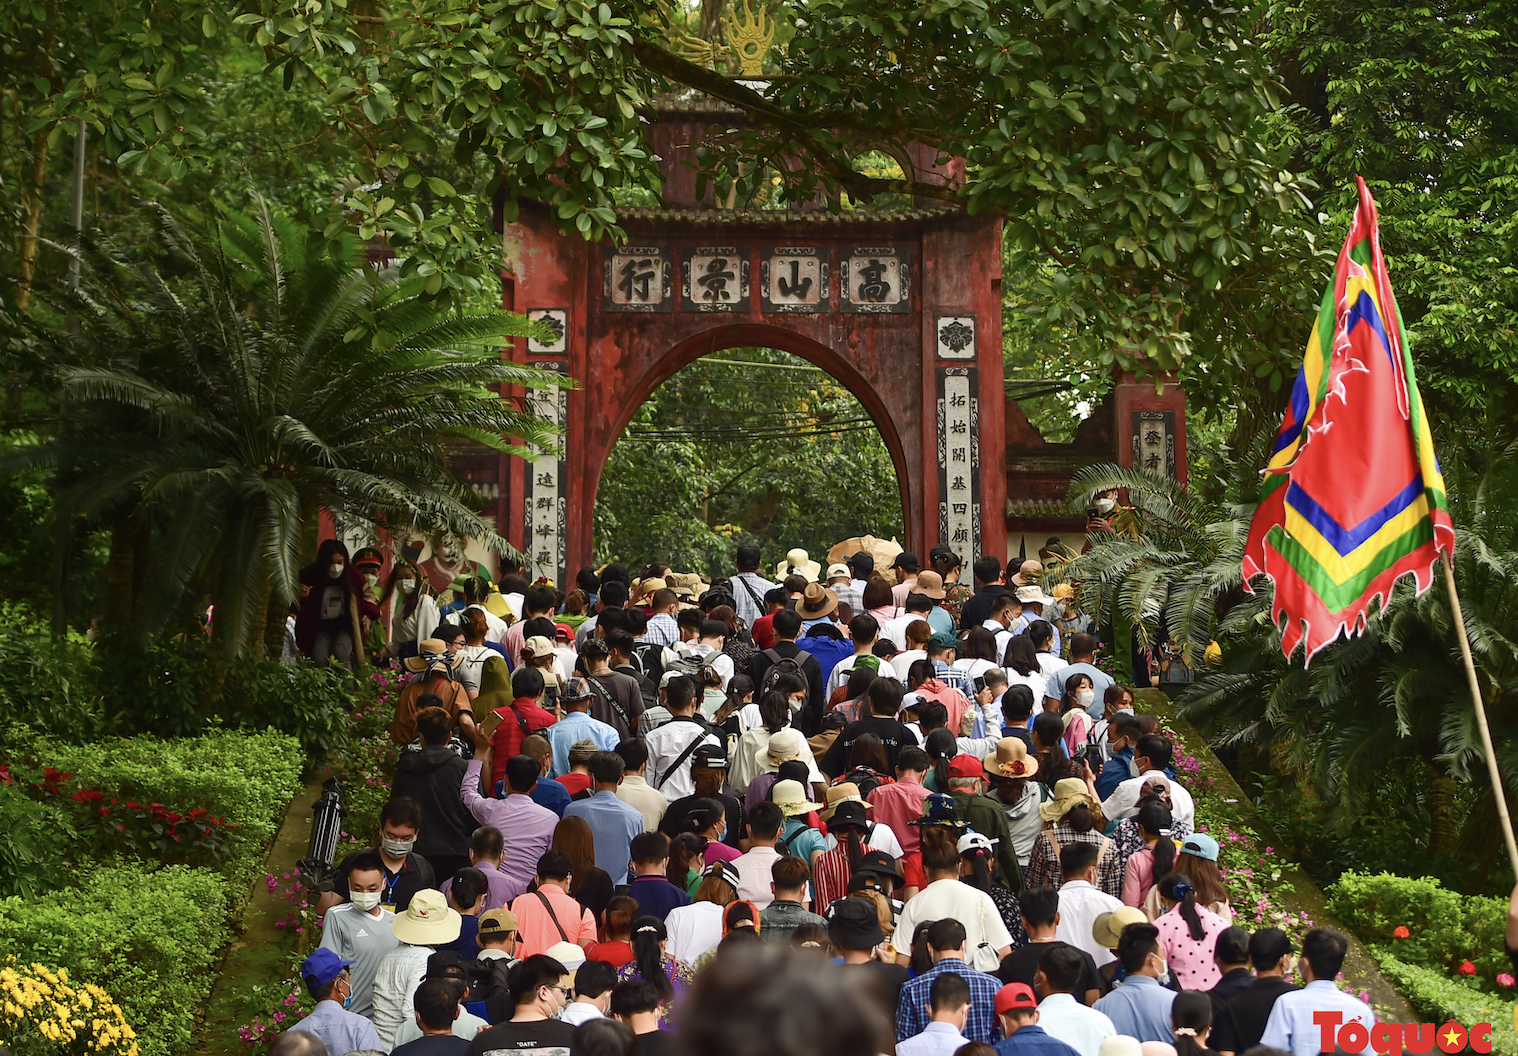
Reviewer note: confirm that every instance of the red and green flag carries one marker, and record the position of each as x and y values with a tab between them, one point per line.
1352	498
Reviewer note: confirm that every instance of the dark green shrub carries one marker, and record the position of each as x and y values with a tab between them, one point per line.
31	835
49	685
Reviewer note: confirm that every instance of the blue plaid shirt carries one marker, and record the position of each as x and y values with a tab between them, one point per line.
912	1009
955	679
662	629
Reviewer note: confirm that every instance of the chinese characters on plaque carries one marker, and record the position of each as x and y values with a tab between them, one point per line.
876	279
544	543
1154	442
637	279
955	336
794	279
716	279
959	462
557	321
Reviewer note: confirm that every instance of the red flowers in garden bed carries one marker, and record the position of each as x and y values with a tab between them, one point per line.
129	826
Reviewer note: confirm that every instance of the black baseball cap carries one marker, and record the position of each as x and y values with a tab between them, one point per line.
862	562
906	561
1269	945
711	756
446	964
853	924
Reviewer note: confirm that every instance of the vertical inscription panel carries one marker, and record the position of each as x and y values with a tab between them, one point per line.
959	462
545	508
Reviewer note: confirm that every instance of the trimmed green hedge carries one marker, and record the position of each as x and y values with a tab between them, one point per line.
248	778
148	938
1445	928
1439	999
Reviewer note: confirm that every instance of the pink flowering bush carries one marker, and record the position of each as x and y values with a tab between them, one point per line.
280	1007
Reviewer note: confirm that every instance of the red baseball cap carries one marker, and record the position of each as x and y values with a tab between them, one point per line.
563	630
966	766
1015	995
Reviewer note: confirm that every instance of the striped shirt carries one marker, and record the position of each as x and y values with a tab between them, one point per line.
831	874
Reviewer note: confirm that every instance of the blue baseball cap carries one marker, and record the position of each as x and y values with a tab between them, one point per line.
1201	845
322	967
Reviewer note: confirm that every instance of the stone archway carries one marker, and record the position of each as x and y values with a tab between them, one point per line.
746	335
902	306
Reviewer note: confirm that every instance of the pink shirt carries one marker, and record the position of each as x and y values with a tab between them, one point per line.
1191	960
895	805
1139	877
721	852
1075	733
536	924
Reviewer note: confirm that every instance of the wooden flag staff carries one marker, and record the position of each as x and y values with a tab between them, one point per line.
1486	733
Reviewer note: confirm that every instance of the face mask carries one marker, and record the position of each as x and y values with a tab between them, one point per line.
371	578
364	900
397	848
1105	505
1085	697
348	1001
333	571
1133	768
407	585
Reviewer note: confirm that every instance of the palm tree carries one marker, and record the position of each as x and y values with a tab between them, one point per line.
1170	563
214	402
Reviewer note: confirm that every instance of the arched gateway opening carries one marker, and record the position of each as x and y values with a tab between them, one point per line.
746	445
902	306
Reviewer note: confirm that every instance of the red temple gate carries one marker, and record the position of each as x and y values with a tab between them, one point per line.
902	307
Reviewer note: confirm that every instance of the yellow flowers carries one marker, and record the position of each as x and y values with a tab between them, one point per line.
42	1014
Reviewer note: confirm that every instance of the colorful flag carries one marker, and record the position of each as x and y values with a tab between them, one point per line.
1352	498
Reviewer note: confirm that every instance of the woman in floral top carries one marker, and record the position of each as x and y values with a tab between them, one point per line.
948	565
651	963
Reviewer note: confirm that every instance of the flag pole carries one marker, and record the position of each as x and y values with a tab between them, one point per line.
1486	733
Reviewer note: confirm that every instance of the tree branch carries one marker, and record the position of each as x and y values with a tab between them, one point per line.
801	130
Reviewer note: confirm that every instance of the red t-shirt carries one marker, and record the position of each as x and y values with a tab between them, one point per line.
508	737
912	871
615	953
576	783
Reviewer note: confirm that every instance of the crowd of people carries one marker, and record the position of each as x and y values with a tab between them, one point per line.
847	811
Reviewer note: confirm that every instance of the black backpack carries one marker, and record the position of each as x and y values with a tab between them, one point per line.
648	658
784	665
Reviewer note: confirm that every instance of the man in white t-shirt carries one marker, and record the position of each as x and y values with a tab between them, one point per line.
917	607
1152	753
864	630
1081	901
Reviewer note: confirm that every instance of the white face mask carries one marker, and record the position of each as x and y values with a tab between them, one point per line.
406	585
396	848
364	900
1085	697
1105	505
371	578
334	570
